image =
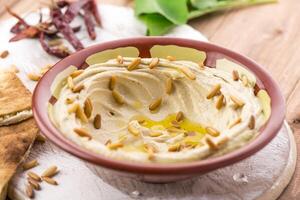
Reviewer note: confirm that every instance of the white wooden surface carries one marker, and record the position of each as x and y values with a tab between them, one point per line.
80	180
262	176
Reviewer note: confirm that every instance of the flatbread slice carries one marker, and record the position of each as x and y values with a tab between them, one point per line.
15	99
15	141
17	127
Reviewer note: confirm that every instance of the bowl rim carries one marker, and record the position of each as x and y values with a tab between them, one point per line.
265	136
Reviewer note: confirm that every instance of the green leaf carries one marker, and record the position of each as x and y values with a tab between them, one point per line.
156	24
162	15
203	7
176	11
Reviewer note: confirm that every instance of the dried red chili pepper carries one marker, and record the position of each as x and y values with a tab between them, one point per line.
53	32
21	20
59	23
64	28
90	26
58	52
20	25
21	28
17	28
95	12
30	32
74	9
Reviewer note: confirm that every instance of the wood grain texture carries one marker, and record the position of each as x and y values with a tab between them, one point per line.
4	3
269	34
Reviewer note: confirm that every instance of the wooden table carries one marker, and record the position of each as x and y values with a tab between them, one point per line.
269	34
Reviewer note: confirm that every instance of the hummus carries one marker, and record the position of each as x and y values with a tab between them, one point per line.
158	110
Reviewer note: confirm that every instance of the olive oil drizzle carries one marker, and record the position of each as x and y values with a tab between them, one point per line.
194	132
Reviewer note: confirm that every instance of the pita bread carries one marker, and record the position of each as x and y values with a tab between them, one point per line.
14	96
15	140
15	99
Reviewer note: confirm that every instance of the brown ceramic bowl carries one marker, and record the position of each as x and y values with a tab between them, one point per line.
160	172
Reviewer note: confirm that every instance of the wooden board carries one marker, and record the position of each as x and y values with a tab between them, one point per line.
6	3
268	34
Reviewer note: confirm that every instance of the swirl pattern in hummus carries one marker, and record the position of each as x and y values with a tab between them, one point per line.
174	111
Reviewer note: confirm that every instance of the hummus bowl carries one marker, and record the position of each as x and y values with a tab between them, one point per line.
158	109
